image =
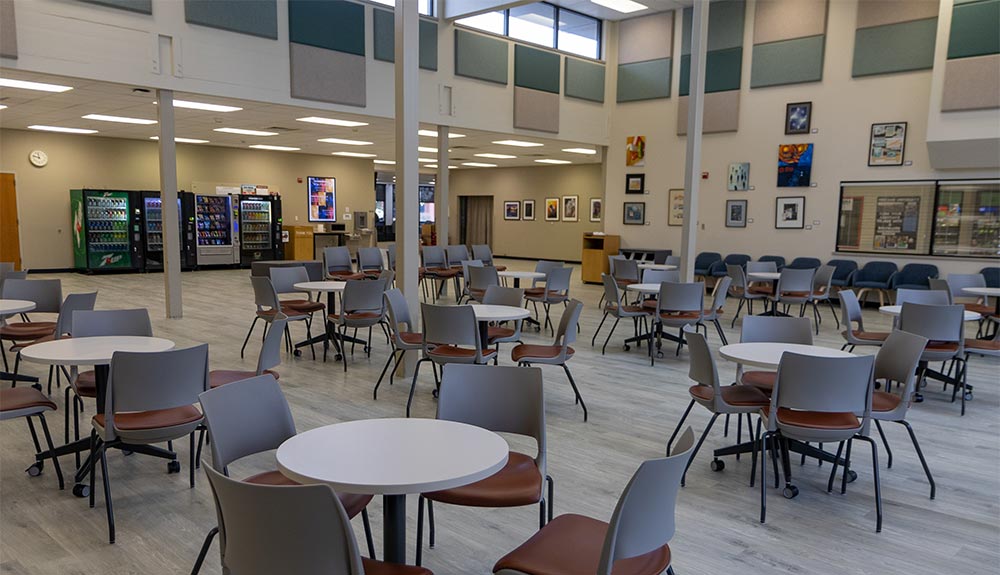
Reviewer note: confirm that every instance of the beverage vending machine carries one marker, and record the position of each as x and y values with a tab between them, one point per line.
152	214
218	241
260	228
107	230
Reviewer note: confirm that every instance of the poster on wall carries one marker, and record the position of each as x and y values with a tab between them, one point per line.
322	199
570	208
790	213
512	210
736	213
552	209
596	209
635	151
887	144
794	165
528	210
634	213
675	208
739	177
896	223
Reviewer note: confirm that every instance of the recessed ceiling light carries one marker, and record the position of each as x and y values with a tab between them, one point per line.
623	6
426	160
427	149
354	154
345	142
518	143
119	119
551	161
433	134
243	132
275	148
331	122
203	106
61	129
386	162
183	140
478	165
431	166
495	156
587	151
40	86
2	107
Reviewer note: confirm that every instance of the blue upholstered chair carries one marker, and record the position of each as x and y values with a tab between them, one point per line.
719	270
779	261
913	276
808	264
703	262
992	275
844	274
875	276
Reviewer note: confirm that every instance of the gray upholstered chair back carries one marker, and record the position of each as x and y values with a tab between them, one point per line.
337	259
93	323
47	294
660	276
457	254
939	323
434	257
824	384
926	297
284	279
450	325
369	259
681	297
264	294
627	270
768	329
566	334
739	276
483	253
499	295
764	267
482	278
270	351
74	302
399	311
362	295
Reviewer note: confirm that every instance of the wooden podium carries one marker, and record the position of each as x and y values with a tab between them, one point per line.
596	249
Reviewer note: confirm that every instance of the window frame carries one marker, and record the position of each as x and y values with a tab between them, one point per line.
557	11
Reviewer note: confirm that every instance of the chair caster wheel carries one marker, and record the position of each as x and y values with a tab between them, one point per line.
338	357
627	347
790	492
717	465
852	476
126	452
297	353
434	394
968	396
35	470
918	398
81	490
659	355
878	385
173	466
368	350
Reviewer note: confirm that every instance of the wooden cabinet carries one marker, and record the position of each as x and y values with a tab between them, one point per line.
300	243
596	249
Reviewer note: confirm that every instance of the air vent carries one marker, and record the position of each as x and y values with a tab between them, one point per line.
461	147
280	129
457	159
533	155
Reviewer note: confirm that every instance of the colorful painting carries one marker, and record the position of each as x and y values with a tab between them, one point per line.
634	213
794	165
635	151
675	209
635	183
571	208
739	177
798	118
512	210
552	209
888	142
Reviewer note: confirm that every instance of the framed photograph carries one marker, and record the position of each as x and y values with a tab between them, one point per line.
739	177
552	209
798	117
794	165
736	213
512	210
675	209
635	213
790	213
528	210
635	151
887	144
635	183
571	208
596	209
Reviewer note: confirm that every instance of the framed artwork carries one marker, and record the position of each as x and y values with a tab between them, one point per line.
552	209
790	213
635	183
634	213
736	213
596	209
675	209
798	117
794	165
512	210
887	144
571	208
528	210
635	151
739	177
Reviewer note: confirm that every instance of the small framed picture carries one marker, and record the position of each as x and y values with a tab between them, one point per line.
634	213
512	210
790	213
528	210
798	117
736	213
739	177
552	209
571	208
675	207
635	183
596	209
888	141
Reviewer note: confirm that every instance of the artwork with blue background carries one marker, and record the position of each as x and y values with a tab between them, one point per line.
794	165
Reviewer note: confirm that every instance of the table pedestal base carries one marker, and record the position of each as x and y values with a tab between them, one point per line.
394	528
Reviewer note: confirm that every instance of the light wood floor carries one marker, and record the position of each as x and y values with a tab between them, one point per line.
633	408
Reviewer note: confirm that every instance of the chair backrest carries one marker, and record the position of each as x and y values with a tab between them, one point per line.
466	264
770	329
480	277
390	253
805	263
483	253
938	284
612	295
721	290
939	323
797	282
738	276
74	302
449	325
681	297
557	280
10	274
850	309
94	323
929	297
738	259
362	295
958	282
283	279
566	333
47	294
543	266
399	311
499	295
660	256
627	270
643	519
229	408
779	261
660	276
337	259
387	277
369	258
673	261
824	384
457	254
704	260
823	280
916	274
897	361
266	529
612	261
876	272
844	269
992	275
6	267
270	352
758	267
702	369
434	257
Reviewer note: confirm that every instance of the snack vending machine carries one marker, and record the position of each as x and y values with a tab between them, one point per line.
106	231
260	228
218	244
152	210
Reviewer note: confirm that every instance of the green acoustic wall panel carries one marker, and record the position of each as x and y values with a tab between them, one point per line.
723	71
480	57
787	62
333	24
725	26
584	80
644	80
384	32
141	6
894	48
254	17
975	29
536	69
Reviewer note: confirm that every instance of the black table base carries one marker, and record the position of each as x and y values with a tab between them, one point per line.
394	528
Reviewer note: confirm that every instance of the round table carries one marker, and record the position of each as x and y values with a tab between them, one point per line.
331	288
768	355
518	276
12	306
764	276
988	292
898	309
393	458
644	288
491	312
662	267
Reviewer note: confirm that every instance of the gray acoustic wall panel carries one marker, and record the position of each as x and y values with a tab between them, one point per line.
971	84
332	24
384	39
327	75
8	30
481	57
536	110
253	17
882	12
536	69
975	29
721	114
584	80
644	80
723	71
788	62
894	48
646	38
777	20
140	6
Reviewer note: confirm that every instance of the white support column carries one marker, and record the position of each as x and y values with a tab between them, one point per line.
441	199
168	197
692	162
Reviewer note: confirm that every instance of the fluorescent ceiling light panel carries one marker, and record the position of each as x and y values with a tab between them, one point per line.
431	166
203	106
353	154
586	151
427	149
2	107
345	142
183	140
39	86
551	161
275	148
433	134
331	122
478	165
518	143
61	129
495	156
243	132
623	6
426	160
119	119
385	162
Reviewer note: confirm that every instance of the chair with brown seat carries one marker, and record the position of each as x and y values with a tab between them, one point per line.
268	307
984	347
483	253
370	262
559	353
712	313
507	400
268	358
614	307
28	402
463	279
360	307
850	312
958	282
338	265
283	279
822	289
634	542
401	334
499	295
47	297
556	290
478	279
943	326
770	329
626	272
742	289
64	324
436	269
259	400
678	305
796	287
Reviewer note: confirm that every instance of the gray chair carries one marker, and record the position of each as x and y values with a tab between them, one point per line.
28	402
556	290
958	282
338	265
721	290
742	289
660	276
465	265
542	267
850	311
437	269
401	334
456	255
941	284
258	399
821	399
64	324
283	279
613	306
984	347
637	536
268	307
11	275
304	529
926	297
268	358
822	288
499	295
370	262
761	267
678	305
795	287
506	400
47	297
361	307
943	326
559	352
770	329
479	279
626	272
673	261
483	253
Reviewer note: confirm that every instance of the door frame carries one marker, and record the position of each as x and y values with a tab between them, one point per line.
18	257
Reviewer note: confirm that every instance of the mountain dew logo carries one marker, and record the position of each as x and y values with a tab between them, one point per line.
109	260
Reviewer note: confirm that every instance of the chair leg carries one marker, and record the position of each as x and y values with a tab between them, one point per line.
109	506
753	453
738	309
677	429
48	442
250	331
430	524
833	311
388	360
878	484
191	458
204	550
610	333
551	497
885	442
722	335
413	386
847	467
599	326
697	447
763	476
419	559
575	390
368	533
920	454
836	462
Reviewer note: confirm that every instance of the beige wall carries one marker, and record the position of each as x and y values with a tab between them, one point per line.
536	239
95	162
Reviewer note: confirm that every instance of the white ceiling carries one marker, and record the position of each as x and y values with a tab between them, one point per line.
29	107
589	8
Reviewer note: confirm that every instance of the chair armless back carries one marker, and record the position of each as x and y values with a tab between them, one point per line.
92	323
284	278
768	329
270	351
825	385
74	302
927	297
47	294
337	259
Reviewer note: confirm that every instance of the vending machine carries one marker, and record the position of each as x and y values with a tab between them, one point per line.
107	230
260	228
218	241
152	215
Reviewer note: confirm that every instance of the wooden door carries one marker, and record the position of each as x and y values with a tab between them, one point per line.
10	243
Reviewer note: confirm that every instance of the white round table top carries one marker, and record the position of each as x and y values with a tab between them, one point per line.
665	267
393	456
9	306
768	355
898	309
91	350
324	286
764	276
521	275
644	288
987	291
490	312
